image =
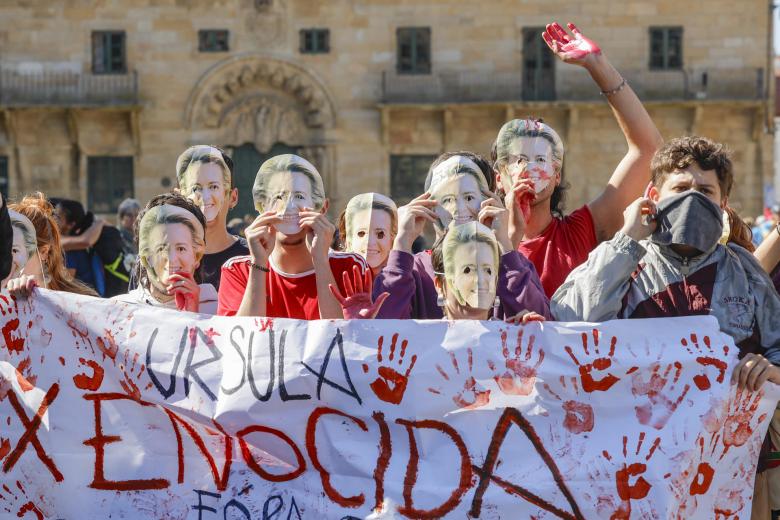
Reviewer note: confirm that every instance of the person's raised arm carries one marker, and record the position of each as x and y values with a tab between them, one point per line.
84	240
768	253
632	174
321	236
261	238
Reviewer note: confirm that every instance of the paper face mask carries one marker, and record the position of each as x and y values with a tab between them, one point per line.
204	178
170	240
286	184
371	224
459	187
526	148
25	244
531	158
471	256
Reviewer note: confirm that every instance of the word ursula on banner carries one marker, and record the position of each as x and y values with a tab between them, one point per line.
111	409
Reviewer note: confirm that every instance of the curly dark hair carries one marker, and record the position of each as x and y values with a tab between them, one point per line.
681	152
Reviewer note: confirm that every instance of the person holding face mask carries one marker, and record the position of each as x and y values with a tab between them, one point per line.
205	176
170	235
368	227
528	158
47	268
290	265
466	262
456	193
673	264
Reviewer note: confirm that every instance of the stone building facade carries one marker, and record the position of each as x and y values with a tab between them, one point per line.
98	97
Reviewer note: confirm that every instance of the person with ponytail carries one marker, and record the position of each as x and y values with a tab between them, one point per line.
47	267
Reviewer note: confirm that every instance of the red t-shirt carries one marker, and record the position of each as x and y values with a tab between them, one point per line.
565	244
287	295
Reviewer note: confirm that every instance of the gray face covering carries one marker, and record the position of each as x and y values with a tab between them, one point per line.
690	219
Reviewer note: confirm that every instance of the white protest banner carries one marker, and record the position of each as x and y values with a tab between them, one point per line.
111	410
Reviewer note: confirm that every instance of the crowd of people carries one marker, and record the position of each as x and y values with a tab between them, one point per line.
659	240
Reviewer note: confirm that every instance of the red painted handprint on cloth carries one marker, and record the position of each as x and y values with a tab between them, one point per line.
519	373
706	358
390	384
596	362
471	395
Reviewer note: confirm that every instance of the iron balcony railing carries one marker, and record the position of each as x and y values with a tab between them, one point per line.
50	88
572	84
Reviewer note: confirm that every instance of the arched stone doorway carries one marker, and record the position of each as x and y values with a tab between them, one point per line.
256	107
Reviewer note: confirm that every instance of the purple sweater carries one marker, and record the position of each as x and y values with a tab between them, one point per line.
409	280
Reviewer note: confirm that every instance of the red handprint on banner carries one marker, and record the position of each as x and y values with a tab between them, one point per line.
740	414
472	394
17	502
660	406
629	482
579	416
390	384
705	359
597	362
131	372
519	375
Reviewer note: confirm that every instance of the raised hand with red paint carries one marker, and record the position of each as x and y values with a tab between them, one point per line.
390	385
596	362
519	375
185	290
660	390
356	301
706	359
577	49
471	395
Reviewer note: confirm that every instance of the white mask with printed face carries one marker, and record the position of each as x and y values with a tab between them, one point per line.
286	184
369	227
206	186
19	253
471	267
171	240
289	193
459	187
530	158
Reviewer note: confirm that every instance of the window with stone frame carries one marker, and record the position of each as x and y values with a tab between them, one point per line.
108	52
315	41
407	176
213	40
414	50
109	182
666	48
